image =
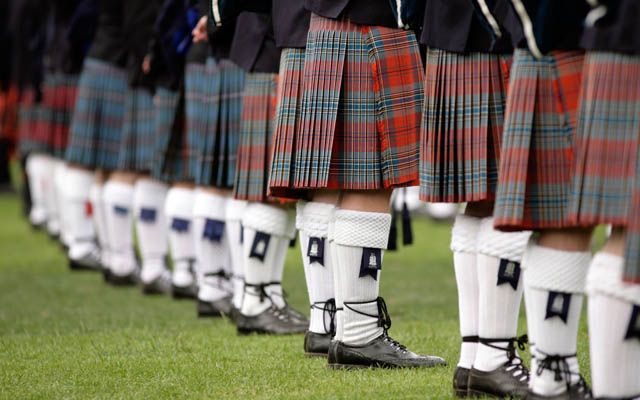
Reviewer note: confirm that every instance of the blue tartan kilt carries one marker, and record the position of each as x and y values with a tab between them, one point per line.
96	124
138	132
213	108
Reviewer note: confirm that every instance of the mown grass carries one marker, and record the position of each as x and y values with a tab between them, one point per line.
68	335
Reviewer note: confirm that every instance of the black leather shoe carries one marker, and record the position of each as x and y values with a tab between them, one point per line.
160	285
331	353
295	315
126	280
269	322
316	344
381	352
461	382
215	308
559	366
184	292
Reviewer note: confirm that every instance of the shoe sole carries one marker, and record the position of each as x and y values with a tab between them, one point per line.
210	314
75	266
349	367
315	355
182	294
461	393
121	280
249	331
476	393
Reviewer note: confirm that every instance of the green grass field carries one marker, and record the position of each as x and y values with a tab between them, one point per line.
68	335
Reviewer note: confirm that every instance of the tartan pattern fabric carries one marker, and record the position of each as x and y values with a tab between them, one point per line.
254	149
28	114
462	124
171	156
59	97
536	164
360	108
9	114
213	110
607	140
287	121
138	132
96	124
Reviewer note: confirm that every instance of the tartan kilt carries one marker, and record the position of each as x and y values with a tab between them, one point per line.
28	115
9	115
607	142
171	154
138	132
59	99
359	112
287	122
462	124
537	154
96	124
213	109
254	149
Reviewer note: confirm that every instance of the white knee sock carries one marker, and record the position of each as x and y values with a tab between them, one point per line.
614	329
179	212
59	176
151	226
332	253
36	169
79	212
464	241
50	197
274	290
99	209
318	262
499	292
554	285
118	201
360	238
264	226
209	215
233	231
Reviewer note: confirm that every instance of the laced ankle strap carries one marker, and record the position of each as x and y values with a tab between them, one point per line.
283	295
384	319
260	290
221	275
558	364
514	362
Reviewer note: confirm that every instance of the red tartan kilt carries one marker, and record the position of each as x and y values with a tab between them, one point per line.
462	122
359	110
536	165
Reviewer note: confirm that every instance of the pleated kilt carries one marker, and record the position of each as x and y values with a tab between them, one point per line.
28	115
59	98
9	115
256	131
359	112
537	155
462	123
138	132
214	103
96	124
171	156
607	142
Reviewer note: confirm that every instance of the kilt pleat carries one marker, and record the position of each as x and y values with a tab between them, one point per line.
28	110
537	154
214	101
358	113
287	121
96	124
254	149
138	132
462	123
171	155
607	140
59	102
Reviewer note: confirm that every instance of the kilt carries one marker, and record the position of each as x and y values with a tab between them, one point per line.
359	111
462	123
171	154
28	114
287	122
607	142
96	125
254	149
58	101
138	132
9	115
537	153
213	110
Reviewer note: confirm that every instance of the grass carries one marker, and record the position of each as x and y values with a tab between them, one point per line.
68	335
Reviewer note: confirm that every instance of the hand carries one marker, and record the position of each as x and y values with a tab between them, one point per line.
146	64
200	31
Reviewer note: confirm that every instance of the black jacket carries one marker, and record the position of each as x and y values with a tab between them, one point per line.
108	44
254	47
28	22
364	12
618	29
139	17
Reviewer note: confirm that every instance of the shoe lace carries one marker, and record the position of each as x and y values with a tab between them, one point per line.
221	276
329	309
514	364
562	371
384	321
